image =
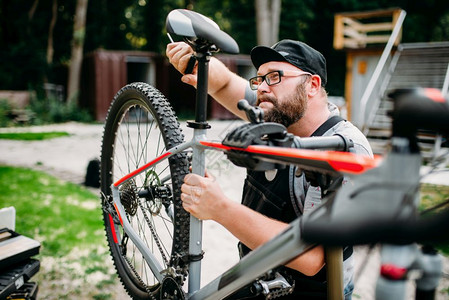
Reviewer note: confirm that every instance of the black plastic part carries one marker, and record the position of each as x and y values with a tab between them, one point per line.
256	134
419	108
12	278
203	32
269	134
425	295
190	65
250	291
198	125
274	134
253	113
197	257
27	292
171	290
201	89
336	142
376	230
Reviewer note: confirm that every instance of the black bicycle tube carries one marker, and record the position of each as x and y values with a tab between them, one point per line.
201	93
190	65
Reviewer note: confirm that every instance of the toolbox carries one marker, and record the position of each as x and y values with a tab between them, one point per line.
17	265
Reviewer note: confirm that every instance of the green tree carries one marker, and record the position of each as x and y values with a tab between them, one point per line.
140	25
76	58
22	51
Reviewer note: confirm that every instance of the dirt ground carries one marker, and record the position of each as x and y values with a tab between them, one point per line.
68	157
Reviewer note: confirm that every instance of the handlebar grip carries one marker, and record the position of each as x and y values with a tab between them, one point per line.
336	142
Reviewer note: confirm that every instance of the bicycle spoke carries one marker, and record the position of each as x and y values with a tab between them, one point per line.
134	134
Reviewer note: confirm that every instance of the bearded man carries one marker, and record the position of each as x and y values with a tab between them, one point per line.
290	88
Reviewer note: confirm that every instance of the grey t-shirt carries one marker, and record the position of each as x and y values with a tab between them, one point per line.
308	197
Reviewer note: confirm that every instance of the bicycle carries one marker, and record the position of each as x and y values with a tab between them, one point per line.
156	245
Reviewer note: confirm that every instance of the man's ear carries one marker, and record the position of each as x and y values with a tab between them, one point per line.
315	85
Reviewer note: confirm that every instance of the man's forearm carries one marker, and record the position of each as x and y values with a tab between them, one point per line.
254	229
226	87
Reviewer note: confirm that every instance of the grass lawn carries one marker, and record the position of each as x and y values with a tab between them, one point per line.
431	195
66	219
32	136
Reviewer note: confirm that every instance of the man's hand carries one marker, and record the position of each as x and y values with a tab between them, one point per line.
202	196
224	86
179	55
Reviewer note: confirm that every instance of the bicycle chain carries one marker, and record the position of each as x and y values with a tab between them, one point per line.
153	233
179	272
136	274
147	289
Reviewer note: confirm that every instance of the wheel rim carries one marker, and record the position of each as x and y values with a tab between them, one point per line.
138	139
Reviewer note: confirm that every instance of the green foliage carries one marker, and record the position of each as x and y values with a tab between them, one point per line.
441	31
5	110
237	18
50	110
43	111
140	25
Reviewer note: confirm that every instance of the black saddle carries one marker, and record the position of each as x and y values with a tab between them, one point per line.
197	28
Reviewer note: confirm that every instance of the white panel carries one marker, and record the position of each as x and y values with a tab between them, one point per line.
8	218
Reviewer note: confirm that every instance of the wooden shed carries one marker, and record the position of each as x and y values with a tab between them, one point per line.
105	72
363	36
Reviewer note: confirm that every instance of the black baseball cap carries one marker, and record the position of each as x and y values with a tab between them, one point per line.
296	53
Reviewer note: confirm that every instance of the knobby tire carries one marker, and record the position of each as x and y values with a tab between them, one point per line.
139	127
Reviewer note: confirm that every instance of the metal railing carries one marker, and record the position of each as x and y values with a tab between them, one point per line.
371	94
445	89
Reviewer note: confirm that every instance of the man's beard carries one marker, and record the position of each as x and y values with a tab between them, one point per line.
290	110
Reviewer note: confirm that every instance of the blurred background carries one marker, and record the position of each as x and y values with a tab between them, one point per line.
65	49
64	60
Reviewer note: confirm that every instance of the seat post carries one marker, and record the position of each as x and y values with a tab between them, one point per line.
203	78
198	167
203	59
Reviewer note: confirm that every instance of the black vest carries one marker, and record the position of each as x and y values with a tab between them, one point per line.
272	198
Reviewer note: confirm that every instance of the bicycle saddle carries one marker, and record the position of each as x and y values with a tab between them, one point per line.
194	26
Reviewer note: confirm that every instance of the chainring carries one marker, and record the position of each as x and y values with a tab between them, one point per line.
171	290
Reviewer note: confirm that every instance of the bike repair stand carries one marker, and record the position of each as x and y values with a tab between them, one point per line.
334	265
400	263
200	126
409	261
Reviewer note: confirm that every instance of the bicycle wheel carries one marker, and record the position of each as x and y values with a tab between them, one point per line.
140	126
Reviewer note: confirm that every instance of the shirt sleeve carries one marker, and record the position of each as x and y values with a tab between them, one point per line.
250	95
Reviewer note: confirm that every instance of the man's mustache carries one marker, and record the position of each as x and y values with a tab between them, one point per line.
266	99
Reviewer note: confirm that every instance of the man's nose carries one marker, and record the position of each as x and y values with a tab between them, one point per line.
263	87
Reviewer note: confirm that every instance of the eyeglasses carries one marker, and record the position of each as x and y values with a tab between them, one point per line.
274	77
